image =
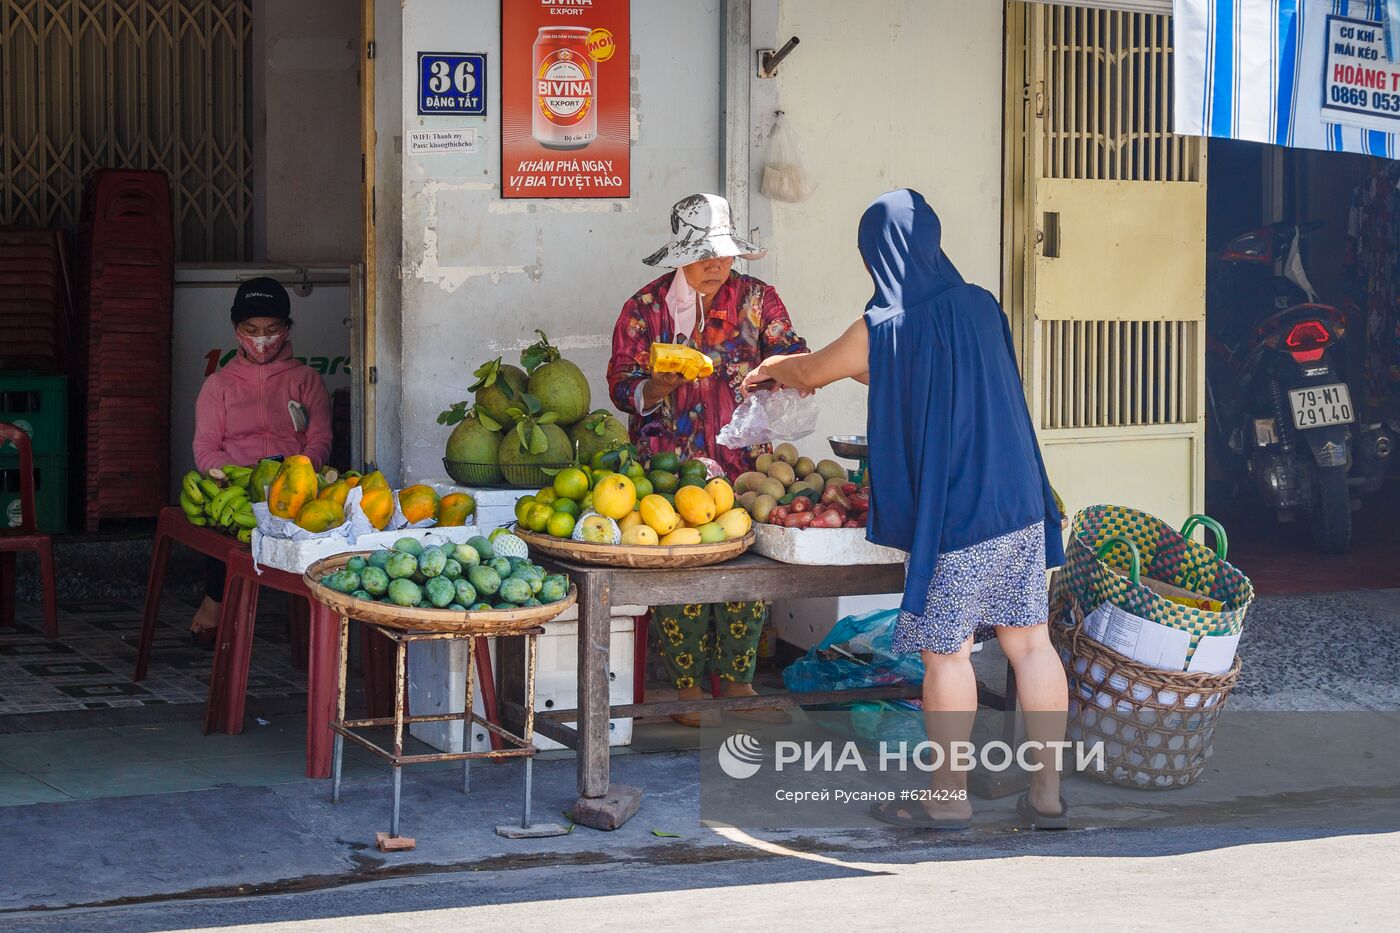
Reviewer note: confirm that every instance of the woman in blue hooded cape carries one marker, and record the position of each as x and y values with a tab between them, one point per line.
957	481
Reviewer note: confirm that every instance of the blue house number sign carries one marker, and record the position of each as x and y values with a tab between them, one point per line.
452	83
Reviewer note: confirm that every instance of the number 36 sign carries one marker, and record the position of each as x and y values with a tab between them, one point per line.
452	83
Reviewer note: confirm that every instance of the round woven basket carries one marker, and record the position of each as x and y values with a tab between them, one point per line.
410	619
1156	726
637	557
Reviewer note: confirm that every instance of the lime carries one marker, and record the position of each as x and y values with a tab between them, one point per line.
546	496
634	470
669	462
663	481
522	506
561	524
644	487
694	468
567	506
537	519
571	484
597	477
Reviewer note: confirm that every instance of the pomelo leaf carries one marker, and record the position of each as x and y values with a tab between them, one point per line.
487	422
538	442
486	376
549	417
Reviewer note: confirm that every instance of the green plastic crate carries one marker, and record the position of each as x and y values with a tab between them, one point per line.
39	404
50	493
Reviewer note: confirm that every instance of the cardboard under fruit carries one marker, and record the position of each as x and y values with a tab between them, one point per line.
821	546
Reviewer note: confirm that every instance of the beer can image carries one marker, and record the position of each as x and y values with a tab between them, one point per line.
565	89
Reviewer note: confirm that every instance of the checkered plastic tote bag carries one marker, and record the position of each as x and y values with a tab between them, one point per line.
1122	556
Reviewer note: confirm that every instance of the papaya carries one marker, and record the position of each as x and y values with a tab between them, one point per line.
336	492
351	479
419	503
674	358
378	506
374	480
321	515
263	476
296	485
455	509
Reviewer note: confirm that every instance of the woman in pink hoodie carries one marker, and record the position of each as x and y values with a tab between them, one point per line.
263	403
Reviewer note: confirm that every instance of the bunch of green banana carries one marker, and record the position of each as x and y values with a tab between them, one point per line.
219	499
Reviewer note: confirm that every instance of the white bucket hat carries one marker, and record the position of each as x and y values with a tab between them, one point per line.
702	228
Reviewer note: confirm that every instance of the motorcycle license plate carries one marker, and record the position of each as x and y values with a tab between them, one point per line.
1320	406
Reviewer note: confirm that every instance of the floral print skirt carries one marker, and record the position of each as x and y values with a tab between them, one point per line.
1000	581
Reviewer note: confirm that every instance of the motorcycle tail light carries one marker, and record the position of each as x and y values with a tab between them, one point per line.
1307	341
1252	247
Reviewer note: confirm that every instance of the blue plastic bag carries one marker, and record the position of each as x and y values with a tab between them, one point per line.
828	667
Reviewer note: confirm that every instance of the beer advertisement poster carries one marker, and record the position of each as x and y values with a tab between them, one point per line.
566	127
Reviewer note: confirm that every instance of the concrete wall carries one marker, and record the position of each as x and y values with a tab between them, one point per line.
885	94
306	131
388	229
480	274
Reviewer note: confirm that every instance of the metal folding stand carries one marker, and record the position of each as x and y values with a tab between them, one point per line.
516	746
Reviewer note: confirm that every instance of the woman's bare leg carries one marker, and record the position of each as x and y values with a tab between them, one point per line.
1044	699
950	705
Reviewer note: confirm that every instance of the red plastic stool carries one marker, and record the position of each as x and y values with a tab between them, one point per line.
25	537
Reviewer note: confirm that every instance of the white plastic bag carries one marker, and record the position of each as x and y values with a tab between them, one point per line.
767	416
785	174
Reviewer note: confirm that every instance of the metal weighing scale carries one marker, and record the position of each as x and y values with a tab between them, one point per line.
852	447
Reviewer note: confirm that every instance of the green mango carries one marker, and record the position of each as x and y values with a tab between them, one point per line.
403	592
375	581
440	592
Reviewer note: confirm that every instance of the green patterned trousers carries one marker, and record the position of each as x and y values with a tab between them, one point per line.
719	638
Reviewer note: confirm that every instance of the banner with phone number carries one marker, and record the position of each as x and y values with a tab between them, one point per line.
1311	74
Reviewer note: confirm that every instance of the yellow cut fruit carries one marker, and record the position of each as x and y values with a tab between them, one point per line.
736	523
640	535
614	496
681	536
695	505
722	493
658	515
630	520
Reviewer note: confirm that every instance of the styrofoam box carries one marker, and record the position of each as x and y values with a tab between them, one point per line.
822	546
805	622
296	556
437	681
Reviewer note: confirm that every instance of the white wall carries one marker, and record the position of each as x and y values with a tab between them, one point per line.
480	274
885	94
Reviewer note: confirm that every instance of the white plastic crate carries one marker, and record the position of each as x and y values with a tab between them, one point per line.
437	681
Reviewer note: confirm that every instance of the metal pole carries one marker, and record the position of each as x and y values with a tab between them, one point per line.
467	721
339	753
529	775
398	786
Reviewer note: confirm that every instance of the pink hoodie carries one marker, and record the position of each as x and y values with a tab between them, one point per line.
241	415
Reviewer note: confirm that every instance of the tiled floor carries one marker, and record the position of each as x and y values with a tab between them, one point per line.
90	665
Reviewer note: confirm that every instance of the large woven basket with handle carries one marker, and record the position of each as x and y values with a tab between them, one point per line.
1156	727
1139	563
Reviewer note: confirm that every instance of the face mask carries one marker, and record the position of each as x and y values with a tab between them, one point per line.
262	349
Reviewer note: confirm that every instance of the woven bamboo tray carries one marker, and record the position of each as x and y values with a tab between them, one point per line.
637	557
410	619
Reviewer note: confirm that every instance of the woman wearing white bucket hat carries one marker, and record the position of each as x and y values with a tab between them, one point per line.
738	321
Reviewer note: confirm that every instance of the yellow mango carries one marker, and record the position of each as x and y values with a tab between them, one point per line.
455	509
681	536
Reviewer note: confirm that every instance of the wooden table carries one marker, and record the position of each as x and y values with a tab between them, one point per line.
747	578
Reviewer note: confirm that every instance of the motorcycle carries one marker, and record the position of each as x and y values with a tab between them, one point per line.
1280	405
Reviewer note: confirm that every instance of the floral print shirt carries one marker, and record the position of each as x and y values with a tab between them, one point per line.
747	323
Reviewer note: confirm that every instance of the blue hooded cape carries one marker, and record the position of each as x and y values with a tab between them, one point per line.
953	456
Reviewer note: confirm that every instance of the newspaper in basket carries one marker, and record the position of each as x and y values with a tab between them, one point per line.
1142	565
